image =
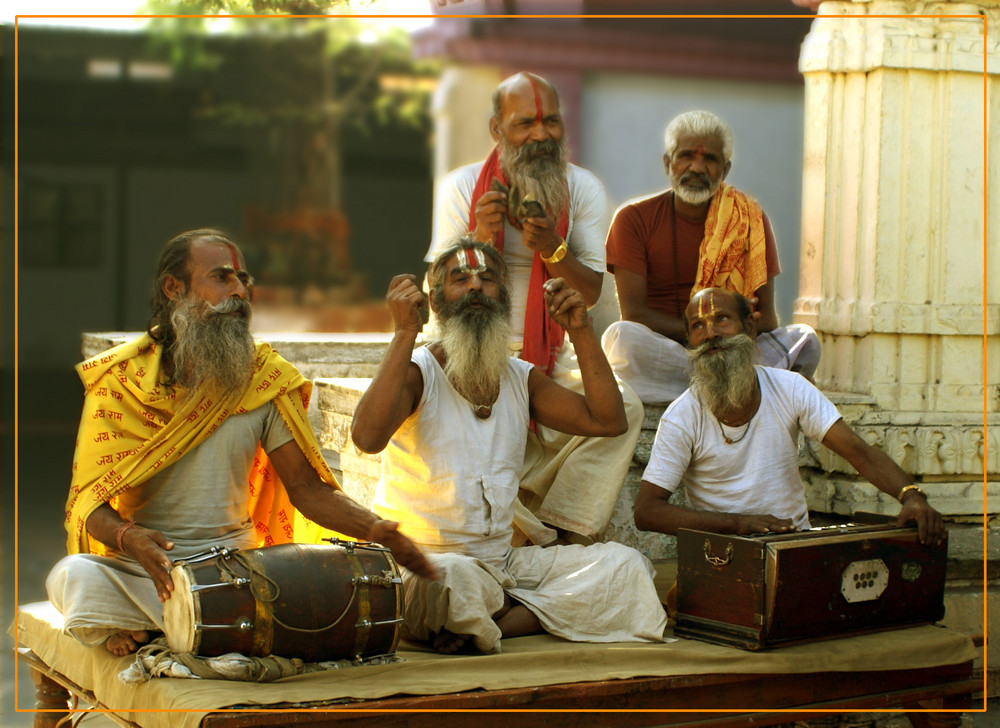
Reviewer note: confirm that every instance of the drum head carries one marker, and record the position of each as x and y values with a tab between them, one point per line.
181	612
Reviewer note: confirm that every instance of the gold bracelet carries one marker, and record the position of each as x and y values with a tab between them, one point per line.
907	489
557	254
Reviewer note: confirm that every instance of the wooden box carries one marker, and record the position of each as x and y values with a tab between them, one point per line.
759	591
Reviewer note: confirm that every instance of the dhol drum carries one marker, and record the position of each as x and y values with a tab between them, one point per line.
312	601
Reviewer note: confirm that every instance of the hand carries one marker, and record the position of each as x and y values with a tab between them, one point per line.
753	300
406	554
565	305
539	234
930	526
748	524
491	209
148	547
407	303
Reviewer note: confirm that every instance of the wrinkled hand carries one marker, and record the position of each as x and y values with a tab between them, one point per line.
407	303
930	526
565	305
539	234
149	547
406	554
491	209
748	524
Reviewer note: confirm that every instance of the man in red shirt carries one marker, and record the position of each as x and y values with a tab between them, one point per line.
700	233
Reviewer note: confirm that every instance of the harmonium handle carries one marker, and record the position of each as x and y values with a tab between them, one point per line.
718	560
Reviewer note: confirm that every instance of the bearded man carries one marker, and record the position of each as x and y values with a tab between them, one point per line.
192	436
549	219
451	419
700	233
732	438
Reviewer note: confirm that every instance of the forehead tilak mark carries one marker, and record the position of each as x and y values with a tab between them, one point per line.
538	99
474	262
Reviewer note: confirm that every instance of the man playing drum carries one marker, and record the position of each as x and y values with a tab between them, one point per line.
192	436
452	418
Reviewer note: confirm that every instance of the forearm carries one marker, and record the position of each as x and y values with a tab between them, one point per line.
103	525
332	509
667	518
384	404
661	323
601	390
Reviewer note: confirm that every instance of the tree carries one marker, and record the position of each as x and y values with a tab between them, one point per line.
317	73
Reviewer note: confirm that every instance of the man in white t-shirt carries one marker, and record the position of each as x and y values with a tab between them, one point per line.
450	419
732	438
549	219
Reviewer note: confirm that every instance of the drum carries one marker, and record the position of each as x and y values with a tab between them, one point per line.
312	601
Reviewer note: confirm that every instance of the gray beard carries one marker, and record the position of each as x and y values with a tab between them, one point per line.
214	351
476	345
724	381
693	195
541	177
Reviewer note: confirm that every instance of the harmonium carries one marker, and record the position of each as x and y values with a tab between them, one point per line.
773	589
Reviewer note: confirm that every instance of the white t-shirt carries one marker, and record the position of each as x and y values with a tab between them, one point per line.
450	478
759	473
588	227
205	494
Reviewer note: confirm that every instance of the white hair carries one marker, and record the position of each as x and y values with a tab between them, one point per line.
698	123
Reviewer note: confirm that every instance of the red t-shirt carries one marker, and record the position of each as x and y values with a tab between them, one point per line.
640	240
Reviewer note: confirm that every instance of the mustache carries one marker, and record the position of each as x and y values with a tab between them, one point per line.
699	176
723	343
545	147
231	305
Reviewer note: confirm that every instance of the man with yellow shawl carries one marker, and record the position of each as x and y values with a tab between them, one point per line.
192	436
700	233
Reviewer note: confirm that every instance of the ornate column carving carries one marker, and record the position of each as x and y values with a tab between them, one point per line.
901	100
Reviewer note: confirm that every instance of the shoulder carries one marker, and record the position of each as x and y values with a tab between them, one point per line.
683	408
788	383
463	176
638	206
583	180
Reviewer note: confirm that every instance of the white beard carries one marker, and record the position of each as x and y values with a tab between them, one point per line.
476	347
542	178
214	349
724	381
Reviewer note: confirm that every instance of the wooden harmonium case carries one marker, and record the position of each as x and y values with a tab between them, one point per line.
760	591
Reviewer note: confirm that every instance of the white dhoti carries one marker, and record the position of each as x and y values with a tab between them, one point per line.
656	366
572	482
101	595
598	593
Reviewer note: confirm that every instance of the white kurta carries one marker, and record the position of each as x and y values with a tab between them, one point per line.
451	479
568	482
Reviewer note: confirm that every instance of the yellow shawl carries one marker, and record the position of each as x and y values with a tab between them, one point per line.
132	426
733	252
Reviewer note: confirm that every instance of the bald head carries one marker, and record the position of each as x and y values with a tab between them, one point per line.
522	83
716	312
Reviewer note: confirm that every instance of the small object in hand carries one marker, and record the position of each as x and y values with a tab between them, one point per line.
424	310
497	186
529	208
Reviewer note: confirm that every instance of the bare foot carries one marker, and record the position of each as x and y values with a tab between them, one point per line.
126	642
448	643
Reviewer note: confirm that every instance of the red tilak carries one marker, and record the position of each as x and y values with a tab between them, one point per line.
538	100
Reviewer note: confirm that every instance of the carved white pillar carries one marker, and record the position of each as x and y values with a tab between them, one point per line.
894	214
900	237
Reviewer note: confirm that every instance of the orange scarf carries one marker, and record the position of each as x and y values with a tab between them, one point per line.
733	252
542	335
132	426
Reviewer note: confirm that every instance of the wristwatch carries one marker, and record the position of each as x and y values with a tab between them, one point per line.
558	254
